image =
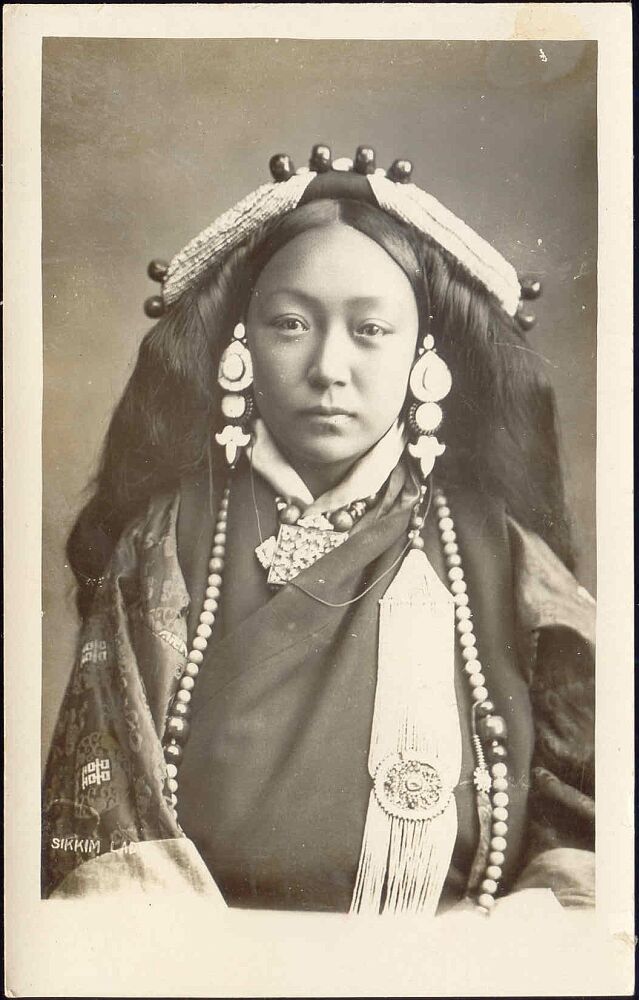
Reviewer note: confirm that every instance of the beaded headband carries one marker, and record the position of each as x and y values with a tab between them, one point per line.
390	190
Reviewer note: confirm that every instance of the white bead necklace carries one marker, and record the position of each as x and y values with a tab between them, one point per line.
484	723
177	727
488	729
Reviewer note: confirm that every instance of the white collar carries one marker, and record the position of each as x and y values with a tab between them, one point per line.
366	477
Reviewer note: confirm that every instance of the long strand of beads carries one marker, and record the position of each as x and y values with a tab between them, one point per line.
485	724
177	727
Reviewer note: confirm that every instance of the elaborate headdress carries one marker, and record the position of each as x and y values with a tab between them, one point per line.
391	190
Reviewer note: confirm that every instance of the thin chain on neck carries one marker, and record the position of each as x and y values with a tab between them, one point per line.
371	586
354	600
257	513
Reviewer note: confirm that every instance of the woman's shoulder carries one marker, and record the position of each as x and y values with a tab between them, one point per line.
479	516
155	520
548	594
154	525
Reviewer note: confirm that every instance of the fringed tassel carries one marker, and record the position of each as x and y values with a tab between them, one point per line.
404	863
419	861
415	753
373	862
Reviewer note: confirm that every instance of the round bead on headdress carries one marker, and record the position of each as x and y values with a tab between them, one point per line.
391	190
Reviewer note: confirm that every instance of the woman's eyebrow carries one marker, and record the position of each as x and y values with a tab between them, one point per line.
364	301
293	293
369	301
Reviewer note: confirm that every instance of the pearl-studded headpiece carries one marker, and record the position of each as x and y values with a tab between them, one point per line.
391	190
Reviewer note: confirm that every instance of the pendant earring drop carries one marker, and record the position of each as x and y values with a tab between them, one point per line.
430	382
235	377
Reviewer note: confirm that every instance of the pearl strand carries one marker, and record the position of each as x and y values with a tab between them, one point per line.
177	727
484	722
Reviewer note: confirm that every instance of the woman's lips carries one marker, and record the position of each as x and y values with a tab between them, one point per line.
327	411
327	416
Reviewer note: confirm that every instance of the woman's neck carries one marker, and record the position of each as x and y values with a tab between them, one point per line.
319	479
323	486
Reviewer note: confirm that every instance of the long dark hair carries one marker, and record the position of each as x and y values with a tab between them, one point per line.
500	425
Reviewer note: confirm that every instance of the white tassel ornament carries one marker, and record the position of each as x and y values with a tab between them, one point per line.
415	752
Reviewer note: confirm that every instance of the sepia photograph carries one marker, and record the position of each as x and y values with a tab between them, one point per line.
335	651
319	522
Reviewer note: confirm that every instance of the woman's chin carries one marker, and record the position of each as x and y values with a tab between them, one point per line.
326	453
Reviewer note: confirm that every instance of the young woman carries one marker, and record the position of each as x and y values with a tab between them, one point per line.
332	654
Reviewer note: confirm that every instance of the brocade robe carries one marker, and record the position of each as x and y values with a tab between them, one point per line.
274	784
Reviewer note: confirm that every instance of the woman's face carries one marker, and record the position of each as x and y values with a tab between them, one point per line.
332	327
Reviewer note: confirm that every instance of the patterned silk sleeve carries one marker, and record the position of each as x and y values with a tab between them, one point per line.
556	619
105	786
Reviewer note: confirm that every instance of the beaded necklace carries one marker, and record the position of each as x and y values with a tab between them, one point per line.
488	730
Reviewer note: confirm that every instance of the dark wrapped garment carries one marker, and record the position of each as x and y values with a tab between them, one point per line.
274	785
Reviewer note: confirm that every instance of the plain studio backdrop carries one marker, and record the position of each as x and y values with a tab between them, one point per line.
144	142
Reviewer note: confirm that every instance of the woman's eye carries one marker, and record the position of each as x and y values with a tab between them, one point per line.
291	324
372	330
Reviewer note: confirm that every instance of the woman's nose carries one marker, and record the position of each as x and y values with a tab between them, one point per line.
330	363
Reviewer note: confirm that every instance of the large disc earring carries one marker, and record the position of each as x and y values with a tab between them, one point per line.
235	377
430	382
